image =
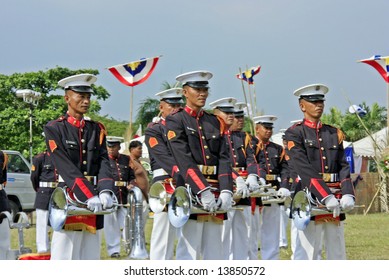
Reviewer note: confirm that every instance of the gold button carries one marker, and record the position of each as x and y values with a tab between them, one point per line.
213	136
207	157
326	167
202	137
322	148
234	155
320	139
270	170
205	147
85	173
82	140
83	151
200	127
82	130
324	157
84	162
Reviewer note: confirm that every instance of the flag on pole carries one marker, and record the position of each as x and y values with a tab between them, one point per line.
136	72
248	75
380	63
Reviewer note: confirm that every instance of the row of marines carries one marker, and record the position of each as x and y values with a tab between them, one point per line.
220	164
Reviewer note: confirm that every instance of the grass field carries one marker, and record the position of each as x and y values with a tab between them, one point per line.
367	238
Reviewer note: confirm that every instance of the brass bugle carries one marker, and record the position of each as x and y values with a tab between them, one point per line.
61	206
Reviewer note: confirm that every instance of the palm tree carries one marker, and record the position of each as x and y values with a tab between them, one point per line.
149	108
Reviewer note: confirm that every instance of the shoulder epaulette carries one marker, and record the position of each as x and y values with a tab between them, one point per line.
341	135
5	160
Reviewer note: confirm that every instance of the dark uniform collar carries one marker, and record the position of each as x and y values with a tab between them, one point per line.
192	112
77	123
312	124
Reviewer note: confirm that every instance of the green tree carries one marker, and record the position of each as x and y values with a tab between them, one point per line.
15	114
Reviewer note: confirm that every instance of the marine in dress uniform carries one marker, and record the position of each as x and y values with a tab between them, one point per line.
78	149
165	170
200	149
317	156
123	176
44	179
277	175
5	233
236	227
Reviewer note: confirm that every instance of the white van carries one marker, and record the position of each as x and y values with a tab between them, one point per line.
21	194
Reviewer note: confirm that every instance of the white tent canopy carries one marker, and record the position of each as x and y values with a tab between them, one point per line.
366	147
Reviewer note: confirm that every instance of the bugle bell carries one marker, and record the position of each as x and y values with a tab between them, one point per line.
182	204
158	197
304	207
61	206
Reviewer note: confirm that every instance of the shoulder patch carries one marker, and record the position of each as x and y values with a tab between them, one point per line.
290	145
153	142
52	145
171	134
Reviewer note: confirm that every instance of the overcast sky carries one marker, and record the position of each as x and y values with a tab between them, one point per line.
295	42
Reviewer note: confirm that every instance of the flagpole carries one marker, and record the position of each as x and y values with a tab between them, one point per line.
255	100
387	104
131	105
245	100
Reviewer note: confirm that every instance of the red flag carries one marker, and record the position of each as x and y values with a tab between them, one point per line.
380	63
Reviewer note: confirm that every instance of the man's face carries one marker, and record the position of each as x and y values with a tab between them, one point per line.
263	133
136	152
195	97
312	110
113	151
78	102
238	123
228	118
167	108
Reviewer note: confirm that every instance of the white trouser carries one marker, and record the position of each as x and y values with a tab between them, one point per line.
75	245
234	237
270	232
284	220
293	238
309	242
42	231
113	223
254	233
5	239
200	240
162	238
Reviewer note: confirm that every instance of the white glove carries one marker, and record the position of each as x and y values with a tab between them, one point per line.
347	202
225	201
333	205
208	201
262	181
94	204
252	182
283	192
106	200
241	187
